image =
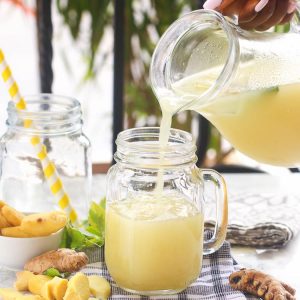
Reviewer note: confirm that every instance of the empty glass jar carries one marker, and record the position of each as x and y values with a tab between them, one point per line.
56	120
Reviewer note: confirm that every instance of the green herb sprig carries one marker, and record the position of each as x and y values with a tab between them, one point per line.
92	232
52	272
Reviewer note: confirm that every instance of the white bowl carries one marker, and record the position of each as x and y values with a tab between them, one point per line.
15	252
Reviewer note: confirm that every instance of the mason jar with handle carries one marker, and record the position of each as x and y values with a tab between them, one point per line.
246	83
154	239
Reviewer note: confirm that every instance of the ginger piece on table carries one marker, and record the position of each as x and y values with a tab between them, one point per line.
29	297
55	289
46	291
36	283
64	260
78	288
21	284
9	294
59	287
99	287
13	216
3	222
44	224
261	285
2	203
15	232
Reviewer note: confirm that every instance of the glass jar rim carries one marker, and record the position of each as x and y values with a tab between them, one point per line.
49	114
141	146
64	102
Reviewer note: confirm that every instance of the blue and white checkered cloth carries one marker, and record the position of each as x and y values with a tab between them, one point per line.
212	284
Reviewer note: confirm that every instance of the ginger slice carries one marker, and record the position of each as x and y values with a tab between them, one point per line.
13	216
78	288
3	222
21	283
99	287
262	285
43	224
55	289
15	232
36	283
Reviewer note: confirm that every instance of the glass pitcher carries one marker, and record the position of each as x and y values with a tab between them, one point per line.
154	239
246	83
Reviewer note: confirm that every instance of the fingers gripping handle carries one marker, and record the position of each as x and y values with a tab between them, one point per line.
221	221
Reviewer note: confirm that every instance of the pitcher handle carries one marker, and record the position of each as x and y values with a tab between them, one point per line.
221	222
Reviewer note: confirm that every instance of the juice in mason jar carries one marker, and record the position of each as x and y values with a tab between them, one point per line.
154	242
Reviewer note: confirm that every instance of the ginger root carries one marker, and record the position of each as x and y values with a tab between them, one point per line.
64	260
262	285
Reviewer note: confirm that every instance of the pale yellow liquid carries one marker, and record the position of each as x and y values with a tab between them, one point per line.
154	244
266	126
263	124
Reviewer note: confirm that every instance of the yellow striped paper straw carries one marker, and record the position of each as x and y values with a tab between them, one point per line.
50	172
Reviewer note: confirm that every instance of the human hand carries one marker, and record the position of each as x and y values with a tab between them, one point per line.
255	14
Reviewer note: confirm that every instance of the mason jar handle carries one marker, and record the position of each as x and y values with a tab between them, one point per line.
221	221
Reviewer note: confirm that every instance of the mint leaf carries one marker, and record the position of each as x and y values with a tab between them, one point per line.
77	238
52	272
92	233
93	230
96	219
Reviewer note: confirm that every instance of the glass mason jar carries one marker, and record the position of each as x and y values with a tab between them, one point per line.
154	216
56	120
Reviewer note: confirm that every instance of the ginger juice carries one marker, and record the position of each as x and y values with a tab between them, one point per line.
263	124
154	242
